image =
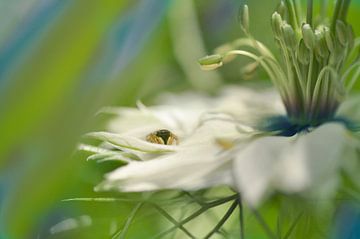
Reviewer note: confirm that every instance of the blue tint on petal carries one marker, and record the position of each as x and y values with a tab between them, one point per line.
282	126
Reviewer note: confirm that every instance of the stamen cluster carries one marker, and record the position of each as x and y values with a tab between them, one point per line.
314	53
317	57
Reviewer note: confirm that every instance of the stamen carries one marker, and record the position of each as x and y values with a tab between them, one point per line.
309	81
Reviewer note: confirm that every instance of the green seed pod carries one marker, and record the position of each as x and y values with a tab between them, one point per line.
250	68
341	32
303	53
329	39
351	36
289	36
276	22
211	62
321	49
308	36
244	18
337	55
281	9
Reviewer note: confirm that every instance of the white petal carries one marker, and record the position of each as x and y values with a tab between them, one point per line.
254	167
197	163
132	143
303	163
190	168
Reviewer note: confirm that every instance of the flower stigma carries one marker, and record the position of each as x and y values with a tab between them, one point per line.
314	75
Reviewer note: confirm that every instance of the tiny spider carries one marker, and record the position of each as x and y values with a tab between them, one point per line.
162	136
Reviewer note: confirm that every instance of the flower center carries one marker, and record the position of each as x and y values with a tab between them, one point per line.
318	58
314	85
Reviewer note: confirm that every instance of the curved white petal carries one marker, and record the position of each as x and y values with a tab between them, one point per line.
303	163
254	167
189	169
132	143
197	163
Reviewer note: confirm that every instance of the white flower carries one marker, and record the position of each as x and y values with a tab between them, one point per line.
255	142
219	146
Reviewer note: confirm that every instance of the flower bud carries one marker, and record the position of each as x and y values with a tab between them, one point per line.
341	32
351	36
276	22
250	68
244	18
308	36
281	8
303	53
289	36
329	39
321	49
211	62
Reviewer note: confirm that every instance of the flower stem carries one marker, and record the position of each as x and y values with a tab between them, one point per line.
336	14
203	209
344	10
263	223
222	220
121	234
309	12
172	220
241	219
293	225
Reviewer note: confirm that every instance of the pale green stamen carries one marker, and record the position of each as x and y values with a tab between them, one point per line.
313	81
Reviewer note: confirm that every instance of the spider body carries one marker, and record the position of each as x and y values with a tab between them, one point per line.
162	136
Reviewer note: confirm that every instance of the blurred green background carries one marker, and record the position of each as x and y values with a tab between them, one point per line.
62	60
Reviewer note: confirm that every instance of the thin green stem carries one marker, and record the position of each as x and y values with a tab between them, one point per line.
292	86
298	11
298	73
336	15
323	9
309	13
293	18
353	66
222	220
353	80
197	213
278	227
319	81
275	79
264	225
344	10
121	234
241	218
309	78
292	227
172	220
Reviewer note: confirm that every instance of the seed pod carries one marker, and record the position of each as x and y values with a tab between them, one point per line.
250	68
341	32
351	36
308	36
281	8
320	47
289	36
211	62
303	53
276	22
337	55
329	39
